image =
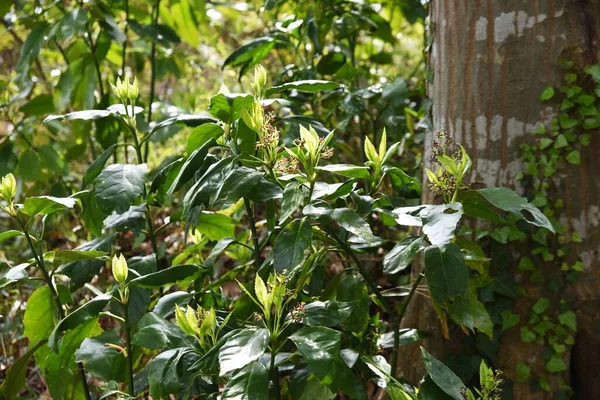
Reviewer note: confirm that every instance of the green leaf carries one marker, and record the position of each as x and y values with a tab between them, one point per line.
83	271
347	170
574	157
468	311
556	364
320	347
39	105
440	222
177	274
45	205
119	185
308	86
241	349
353	223
541	305
202	134
101	360
216	226
294	195
407	336
132	219
30	50
400	257
406	185
86	312
446	272
291	244
250	53
354	289
39	315
380	368
15	378
236	185
14	274
568	319
62	257
509	319
443	377
328	313
428	390
191	165
97	166
507	200
249	383
164	373
153	332
9	235
228	107
547	93
523	372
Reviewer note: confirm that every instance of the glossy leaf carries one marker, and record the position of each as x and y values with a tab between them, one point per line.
119	185
216	226
400	257
241	349
309	86
97	166
83	271
446	272
177	274
45	205
320	347
466	310
9	235
291	245
101	360
249	383
443	376
153	332
347	170
294	195
353	223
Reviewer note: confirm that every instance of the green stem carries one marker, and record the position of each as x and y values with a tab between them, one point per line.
129	351
274	372
138	151
254	232
61	313
413	289
394	322
152	76
124	54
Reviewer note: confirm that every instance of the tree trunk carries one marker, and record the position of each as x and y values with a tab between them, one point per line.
490	60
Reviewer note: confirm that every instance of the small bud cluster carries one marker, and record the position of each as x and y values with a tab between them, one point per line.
125	90
298	312
286	165
451	167
269	134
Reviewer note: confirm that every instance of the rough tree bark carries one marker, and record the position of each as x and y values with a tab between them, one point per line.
490	61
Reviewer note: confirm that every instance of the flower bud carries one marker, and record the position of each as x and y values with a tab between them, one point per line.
260	80
134	90
8	188
187	320
119	269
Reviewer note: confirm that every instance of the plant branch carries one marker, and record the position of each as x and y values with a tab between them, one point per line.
152	76
254	232
61	313
130	380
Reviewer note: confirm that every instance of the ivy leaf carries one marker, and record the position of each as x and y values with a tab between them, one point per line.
320	347
400	257
509	319
308	86
249	383
241	349
574	157
556	364
45	205
118	185
446	272
547	93
443	377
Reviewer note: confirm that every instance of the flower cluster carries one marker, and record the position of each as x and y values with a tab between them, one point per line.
286	165
298	312
452	167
